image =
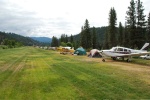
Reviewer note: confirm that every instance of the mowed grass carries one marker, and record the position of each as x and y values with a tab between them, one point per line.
29	73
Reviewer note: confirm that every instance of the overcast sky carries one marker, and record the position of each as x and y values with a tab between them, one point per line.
49	18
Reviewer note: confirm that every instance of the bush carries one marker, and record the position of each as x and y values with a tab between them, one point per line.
3	47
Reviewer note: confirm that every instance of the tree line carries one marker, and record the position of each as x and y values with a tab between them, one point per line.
133	34
136	30
64	40
12	40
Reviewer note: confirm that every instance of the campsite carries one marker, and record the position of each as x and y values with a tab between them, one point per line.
29	73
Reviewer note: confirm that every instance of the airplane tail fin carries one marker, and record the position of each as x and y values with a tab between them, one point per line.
145	45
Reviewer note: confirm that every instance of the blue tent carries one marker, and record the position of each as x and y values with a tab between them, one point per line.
80	51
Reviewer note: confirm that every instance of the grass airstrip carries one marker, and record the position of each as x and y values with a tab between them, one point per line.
30	73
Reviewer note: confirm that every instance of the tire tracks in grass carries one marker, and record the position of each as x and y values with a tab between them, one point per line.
68	70
63	78
20	65
11	65
9	81
38	83
40	79
69	76
111	84
104	84
63	83
12	57
117	83
54	72
14	66
100	80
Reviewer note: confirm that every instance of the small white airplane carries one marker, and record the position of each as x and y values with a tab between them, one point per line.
123	52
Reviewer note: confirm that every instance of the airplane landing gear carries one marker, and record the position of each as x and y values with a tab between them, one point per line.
114	58
128	60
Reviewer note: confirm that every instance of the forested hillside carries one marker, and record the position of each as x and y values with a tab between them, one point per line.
13	39
75	40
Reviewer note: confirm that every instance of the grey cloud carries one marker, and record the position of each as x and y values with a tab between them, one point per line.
15	19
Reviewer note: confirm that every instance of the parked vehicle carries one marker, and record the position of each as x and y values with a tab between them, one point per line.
145	56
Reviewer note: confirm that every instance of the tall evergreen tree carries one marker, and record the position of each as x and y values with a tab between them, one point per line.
106	42
63	38
120	34
66	38
136	24
112	30
94	39
82	38
126	36
141	24
71	38
86	37
54	42
131	23
87	34
148	29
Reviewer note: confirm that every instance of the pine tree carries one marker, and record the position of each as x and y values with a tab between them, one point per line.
94	39
86	37
87	34
83	38
131	23
141	24
148	29
112	30
120	34
126	36
54	42
66	39
106	42
63	38
136	24
71	38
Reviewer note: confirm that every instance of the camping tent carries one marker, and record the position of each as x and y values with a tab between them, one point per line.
94	53
80	51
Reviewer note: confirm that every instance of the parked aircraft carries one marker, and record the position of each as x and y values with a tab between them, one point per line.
65	50
123	52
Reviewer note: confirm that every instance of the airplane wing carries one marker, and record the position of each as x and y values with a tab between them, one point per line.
133	54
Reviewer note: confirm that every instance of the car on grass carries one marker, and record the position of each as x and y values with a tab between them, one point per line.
145	56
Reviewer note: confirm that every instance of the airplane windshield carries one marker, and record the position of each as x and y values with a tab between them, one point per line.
113	48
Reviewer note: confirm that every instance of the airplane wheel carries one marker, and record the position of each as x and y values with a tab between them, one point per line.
128	60
103	60
114	58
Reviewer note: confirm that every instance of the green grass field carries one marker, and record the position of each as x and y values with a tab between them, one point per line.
29	73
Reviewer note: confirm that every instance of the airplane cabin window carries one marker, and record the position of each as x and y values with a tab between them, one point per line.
125	50
120	49
129	51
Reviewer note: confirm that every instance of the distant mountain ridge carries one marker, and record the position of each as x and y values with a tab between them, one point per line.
42	39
